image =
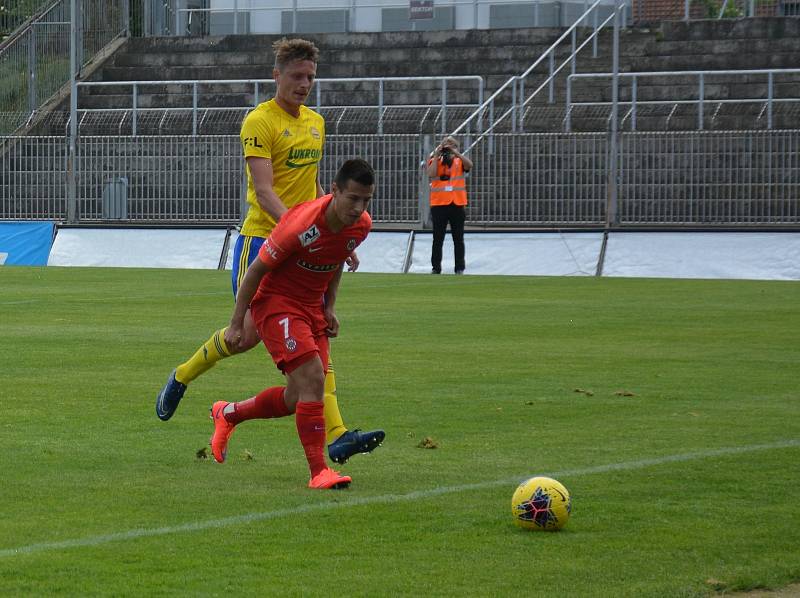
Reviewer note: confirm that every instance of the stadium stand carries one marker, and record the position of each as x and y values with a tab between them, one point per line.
529	173
494	55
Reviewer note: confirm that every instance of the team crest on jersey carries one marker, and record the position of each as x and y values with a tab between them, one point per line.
286	133
291	345
314	132
308	236
351	244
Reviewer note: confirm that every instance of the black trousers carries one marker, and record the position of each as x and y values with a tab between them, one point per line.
441	216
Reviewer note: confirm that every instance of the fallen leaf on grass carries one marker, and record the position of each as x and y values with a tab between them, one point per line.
624	393
588	393
247	455
202	453
428	443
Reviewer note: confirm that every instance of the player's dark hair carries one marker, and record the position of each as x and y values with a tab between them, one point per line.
357	170
290	50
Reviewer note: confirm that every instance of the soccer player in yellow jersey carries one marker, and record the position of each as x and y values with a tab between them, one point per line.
282	141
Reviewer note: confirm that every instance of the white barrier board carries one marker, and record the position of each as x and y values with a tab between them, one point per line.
531	254
758	256
754	256
138	248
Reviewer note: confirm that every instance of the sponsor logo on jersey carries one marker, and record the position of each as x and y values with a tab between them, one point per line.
251	142
317	267
300	157
273	253
308	236
314	132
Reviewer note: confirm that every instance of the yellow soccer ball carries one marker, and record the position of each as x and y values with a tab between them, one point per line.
541	504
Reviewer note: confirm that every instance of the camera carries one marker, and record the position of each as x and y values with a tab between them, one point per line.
447	156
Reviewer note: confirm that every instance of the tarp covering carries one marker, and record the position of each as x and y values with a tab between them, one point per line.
533	254
25	243
754	256
139	248
744	255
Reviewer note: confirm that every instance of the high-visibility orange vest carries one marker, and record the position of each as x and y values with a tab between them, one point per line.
452	190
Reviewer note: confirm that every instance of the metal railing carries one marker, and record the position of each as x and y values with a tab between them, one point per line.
15	14
515	86
34	63
704	178
653	12
256	88
700	100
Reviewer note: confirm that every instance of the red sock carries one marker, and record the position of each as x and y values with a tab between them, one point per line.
311	429
265	405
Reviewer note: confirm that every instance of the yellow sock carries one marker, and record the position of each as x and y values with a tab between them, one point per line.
334	426
205	358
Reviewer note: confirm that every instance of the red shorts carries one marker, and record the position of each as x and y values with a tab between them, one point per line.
292	332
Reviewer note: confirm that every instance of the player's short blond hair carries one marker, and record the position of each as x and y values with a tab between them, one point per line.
290	50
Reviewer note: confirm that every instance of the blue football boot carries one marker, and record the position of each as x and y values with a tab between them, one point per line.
169	397
353	442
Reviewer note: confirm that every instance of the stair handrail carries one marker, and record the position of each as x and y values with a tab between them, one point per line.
37	90
516	81
23	27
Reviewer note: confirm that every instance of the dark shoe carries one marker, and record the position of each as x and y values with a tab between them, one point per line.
169	397
459	271
435	271
353	442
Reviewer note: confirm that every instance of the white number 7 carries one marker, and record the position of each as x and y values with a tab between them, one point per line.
285	323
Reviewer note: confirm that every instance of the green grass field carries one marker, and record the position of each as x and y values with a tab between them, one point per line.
670	409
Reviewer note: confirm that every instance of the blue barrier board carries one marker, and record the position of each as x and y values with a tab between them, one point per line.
25	243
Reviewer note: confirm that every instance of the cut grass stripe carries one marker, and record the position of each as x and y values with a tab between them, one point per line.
383	499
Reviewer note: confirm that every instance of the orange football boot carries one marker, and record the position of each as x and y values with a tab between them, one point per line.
329	479
222	431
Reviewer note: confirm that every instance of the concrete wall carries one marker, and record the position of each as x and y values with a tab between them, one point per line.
260	16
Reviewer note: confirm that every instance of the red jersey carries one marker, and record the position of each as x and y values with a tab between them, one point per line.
304	254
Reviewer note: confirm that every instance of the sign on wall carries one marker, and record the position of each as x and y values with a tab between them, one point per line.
420	9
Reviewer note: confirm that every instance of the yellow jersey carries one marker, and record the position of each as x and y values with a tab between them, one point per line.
294	145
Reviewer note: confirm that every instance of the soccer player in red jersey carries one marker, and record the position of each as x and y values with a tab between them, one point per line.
291	291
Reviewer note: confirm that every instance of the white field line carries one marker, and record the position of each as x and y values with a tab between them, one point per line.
383	499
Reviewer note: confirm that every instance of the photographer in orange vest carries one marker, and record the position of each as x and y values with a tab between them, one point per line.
446	171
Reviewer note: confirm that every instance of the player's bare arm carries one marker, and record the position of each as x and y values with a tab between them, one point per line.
431	170
247	290
465	162
261	171
320	190
352	262
332	329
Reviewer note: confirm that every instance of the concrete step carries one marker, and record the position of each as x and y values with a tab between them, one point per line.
495	55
